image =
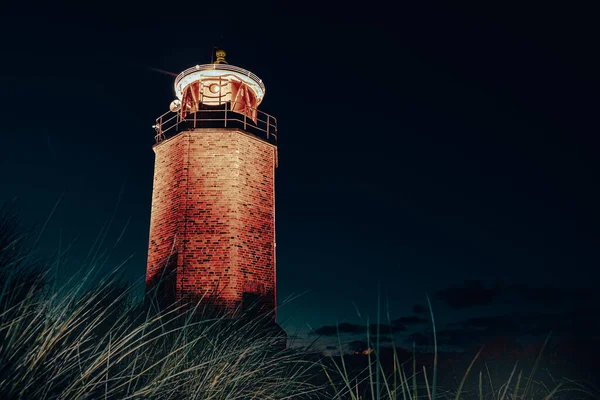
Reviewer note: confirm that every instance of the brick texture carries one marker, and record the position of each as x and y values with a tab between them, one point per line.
212	228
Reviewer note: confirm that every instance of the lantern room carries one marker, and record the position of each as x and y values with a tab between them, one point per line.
218	84
212	95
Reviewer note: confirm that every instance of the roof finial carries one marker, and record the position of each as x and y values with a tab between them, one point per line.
220	53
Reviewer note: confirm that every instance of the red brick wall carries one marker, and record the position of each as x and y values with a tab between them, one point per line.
213	213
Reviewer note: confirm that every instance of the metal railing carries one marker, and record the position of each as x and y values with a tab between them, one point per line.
171	123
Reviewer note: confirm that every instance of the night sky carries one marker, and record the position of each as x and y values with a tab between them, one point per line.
448	150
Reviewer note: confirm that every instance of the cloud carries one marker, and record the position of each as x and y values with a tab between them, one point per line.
498	324
472	294
419	309
461	338
565	325
360	345
386	329
480	330
412	320
344	327
448	337
357	345
550	296
354	329
419	339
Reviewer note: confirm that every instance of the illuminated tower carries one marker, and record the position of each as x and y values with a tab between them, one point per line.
212	228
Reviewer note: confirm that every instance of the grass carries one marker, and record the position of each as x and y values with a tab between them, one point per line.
91	339
79	343
400	381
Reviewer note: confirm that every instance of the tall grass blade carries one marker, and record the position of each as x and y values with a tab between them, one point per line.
377	344
370	362
535	365
552	393
433	395
462	382
516	392
426	383
480	386
414	373
509	379
491	383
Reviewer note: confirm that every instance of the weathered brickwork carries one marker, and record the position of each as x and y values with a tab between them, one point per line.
212	228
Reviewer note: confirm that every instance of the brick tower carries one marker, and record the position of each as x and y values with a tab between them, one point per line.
212	227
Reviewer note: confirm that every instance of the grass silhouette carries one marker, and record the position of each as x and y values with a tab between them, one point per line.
92	339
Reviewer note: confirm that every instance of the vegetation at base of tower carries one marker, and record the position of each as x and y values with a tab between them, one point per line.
91	339
393	376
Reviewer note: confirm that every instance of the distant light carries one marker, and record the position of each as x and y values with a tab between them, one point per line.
197	67
214	88
175	105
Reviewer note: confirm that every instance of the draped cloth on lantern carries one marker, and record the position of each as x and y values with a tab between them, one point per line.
243	100
191	97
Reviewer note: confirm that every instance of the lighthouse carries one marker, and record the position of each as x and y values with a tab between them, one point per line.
212	225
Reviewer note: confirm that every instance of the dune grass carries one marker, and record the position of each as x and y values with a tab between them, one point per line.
92	339
406	383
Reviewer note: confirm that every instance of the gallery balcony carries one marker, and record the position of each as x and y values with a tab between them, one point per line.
252	121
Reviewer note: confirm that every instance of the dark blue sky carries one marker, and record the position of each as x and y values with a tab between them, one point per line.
419	146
